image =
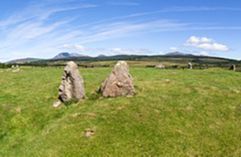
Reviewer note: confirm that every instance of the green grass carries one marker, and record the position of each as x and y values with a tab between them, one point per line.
175	113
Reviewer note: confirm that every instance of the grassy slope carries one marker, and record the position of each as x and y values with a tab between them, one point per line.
175	113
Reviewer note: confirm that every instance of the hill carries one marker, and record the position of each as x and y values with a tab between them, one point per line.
67	55
23	61
176	53
171	60
144	60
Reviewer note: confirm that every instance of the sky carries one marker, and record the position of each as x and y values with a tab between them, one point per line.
44	28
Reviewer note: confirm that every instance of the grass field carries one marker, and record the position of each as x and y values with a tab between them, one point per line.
175	113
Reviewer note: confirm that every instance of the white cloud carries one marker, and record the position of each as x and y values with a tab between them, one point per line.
173	49
204	53
74	47
106	51
122	51
206	44
129	51
39	12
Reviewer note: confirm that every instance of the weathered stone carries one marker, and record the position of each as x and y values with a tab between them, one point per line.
233	67
160	66
57	103
72	85
89	132
189	65
15	69
119	82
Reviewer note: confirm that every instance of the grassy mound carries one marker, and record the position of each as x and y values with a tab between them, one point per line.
175	113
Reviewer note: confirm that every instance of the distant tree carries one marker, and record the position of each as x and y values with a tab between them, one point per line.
3	66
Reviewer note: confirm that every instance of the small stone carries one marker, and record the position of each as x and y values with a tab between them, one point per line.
160	66
57	104
89	132
167	80
18	110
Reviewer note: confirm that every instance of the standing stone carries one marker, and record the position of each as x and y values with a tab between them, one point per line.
189	65
15	68
160	66
72	85
233	67
119	82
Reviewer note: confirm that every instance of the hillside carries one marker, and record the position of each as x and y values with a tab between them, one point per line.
175	113
23	61
171	60
67	55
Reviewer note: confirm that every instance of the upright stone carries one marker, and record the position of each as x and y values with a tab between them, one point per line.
72	85
119	82
189	65
233	67
15	68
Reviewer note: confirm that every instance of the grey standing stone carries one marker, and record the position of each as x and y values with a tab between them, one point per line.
15	69
72	85
119	82
233	67
189	65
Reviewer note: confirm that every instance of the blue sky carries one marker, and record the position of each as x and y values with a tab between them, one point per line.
43	28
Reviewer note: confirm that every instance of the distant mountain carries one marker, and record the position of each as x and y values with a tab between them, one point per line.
67	55
169	57
101	55
23	60
176	53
